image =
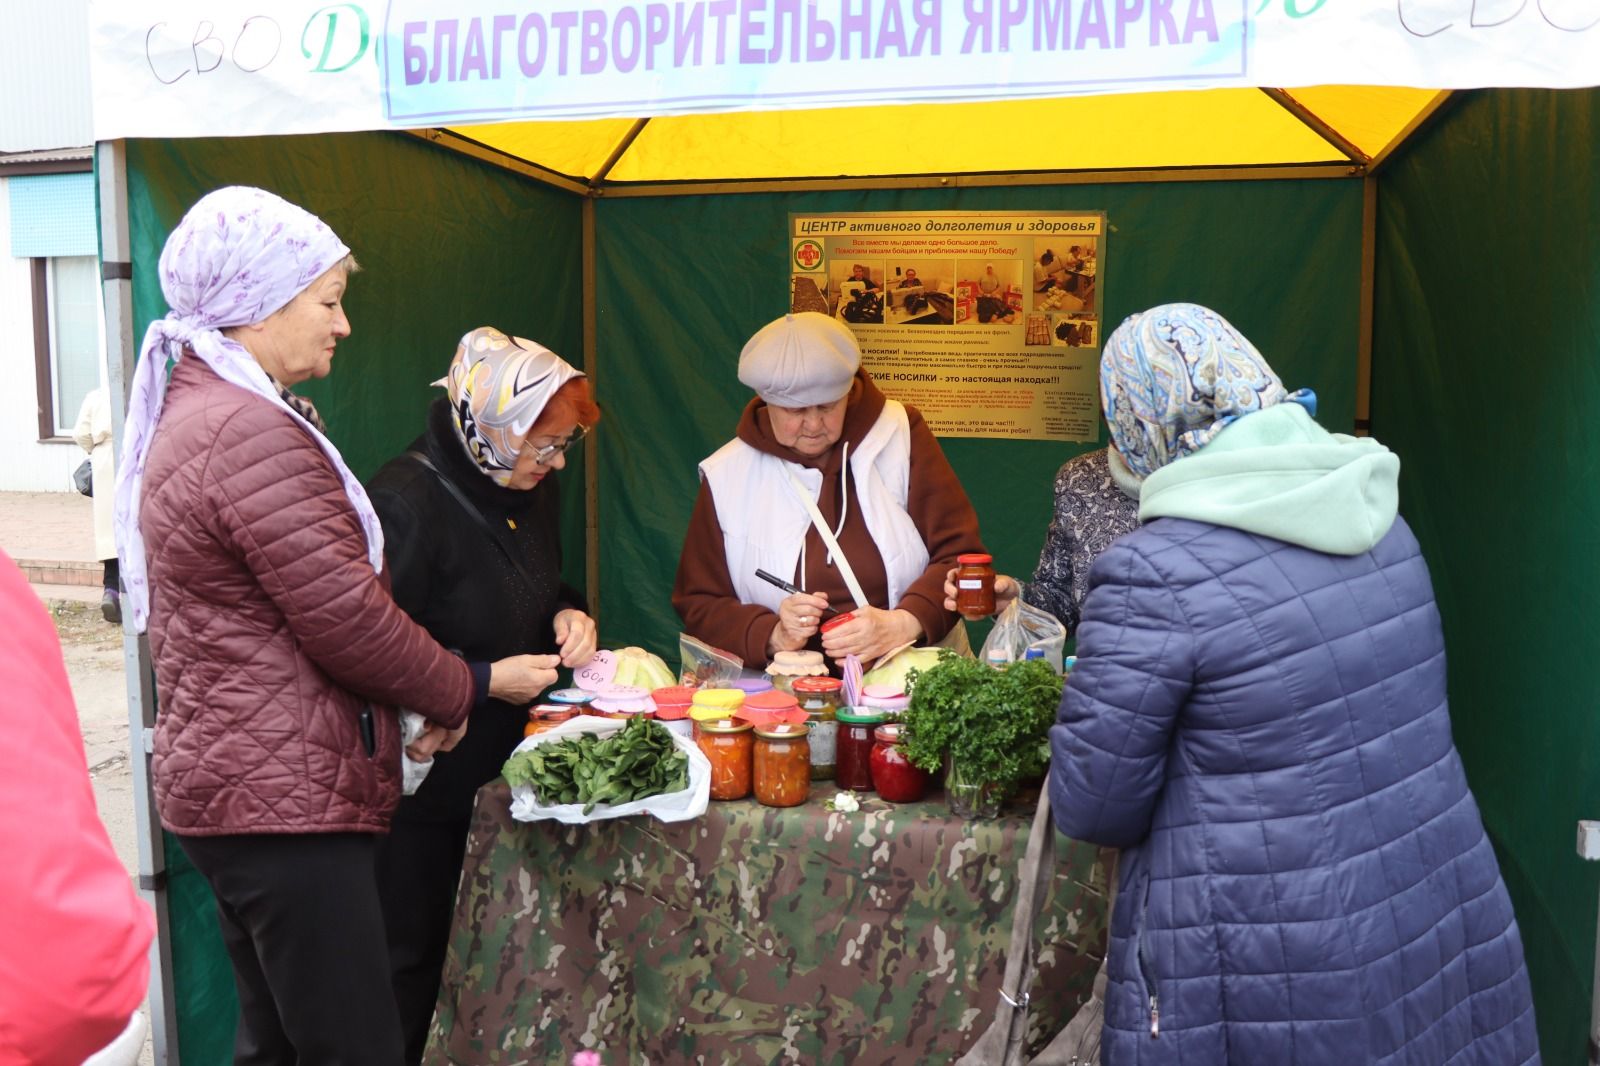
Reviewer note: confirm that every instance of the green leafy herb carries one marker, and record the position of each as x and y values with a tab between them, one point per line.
637	761
993	723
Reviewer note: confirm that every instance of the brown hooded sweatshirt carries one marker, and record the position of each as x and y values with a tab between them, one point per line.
704	593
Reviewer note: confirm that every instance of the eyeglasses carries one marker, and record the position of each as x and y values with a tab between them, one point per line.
543	455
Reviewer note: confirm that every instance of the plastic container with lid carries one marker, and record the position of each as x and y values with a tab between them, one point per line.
890	699
819	698
894	776
729	746
782	766
853	770
544	716
750	686
975	585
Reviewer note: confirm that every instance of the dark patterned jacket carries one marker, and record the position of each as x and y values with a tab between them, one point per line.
1092	510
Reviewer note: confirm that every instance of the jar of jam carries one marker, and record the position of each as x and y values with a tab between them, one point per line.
782	766
546	716
895	777
975	585
819	698
854	767
728	744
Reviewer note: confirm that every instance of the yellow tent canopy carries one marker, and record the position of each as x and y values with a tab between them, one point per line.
1322	131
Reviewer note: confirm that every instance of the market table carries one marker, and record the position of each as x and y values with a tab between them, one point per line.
752	934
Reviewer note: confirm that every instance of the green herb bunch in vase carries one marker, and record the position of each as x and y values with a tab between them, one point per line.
987	727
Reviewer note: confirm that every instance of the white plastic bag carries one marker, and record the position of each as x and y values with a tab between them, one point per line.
677	806
1023	628
412	773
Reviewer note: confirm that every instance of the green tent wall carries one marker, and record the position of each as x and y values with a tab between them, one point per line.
1486	373
684	281
1486	265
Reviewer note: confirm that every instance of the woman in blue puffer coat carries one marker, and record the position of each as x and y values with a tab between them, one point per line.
1258	717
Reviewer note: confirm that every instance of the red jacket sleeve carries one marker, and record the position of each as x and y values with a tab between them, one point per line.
292	523
74	936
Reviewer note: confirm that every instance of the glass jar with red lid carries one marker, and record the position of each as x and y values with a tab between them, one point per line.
895	777
782	765
819	698
854	767
729	745
546	716
975	585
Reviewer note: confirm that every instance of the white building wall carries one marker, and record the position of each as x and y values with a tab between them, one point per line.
26	463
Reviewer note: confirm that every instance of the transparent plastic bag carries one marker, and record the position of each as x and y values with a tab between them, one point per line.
703	666
1024	632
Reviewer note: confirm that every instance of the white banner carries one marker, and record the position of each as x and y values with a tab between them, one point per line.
226	67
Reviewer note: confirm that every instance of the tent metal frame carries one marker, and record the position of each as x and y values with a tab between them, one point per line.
117	286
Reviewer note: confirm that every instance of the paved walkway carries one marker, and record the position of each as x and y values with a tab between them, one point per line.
51	536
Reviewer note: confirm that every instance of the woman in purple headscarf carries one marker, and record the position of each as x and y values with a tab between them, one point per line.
255	560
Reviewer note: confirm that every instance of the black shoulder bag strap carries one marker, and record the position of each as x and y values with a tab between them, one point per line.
477	516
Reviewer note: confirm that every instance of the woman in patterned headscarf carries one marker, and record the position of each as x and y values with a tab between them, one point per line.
472	526
1258	718
254	558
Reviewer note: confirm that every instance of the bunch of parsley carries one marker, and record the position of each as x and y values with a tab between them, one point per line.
993	723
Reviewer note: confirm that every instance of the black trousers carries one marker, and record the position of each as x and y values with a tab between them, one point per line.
304	929
419	867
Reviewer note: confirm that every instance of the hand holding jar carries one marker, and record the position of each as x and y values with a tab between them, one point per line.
1006	589
868	632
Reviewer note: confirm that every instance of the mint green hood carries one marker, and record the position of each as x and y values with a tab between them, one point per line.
1277	473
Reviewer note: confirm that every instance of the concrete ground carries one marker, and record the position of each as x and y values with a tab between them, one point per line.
56	529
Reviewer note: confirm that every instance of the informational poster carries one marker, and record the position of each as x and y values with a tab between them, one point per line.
988	322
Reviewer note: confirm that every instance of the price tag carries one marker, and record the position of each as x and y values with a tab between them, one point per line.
597	673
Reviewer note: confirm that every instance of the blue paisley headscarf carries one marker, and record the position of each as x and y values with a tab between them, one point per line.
1173	376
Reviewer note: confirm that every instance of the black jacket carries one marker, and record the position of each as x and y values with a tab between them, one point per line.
462	589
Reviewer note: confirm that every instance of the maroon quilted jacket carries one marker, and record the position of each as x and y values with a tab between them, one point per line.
270	631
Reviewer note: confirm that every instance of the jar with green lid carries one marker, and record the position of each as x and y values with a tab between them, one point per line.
854	767
819	698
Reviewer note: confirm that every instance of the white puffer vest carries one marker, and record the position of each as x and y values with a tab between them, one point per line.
764	524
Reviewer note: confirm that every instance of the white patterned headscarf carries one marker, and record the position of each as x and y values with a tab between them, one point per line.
498	385
1173	376
238	255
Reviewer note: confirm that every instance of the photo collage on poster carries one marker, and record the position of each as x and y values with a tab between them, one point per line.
1052	294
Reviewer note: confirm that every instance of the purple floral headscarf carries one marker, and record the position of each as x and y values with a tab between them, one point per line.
238	255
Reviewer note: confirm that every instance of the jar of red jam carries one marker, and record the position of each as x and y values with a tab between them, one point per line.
819	698
728	745
895	777
853	770
782	766
975	585
545	716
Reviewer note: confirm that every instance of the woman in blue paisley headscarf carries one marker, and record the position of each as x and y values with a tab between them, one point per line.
1258	719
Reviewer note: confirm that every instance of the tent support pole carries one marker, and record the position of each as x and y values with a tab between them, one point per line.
617	153
494	157
1315	124
591	461
1369	258
116	257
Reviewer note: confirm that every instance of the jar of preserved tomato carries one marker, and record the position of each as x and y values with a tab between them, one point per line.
782	765
854	767
819	698
728	745
975	585
545	716
895	777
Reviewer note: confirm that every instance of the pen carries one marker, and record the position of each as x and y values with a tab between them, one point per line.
787	587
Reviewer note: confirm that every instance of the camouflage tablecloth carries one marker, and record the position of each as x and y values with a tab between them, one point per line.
751	935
